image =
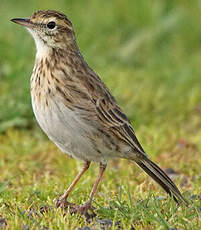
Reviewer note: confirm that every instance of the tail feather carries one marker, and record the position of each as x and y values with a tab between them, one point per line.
161	178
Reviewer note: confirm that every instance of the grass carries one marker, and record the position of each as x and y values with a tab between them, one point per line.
148	53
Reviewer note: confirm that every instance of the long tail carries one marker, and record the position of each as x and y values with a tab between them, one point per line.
162	179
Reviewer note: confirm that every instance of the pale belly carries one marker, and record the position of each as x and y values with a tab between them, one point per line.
64	127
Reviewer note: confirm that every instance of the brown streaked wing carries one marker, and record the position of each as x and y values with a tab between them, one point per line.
111	116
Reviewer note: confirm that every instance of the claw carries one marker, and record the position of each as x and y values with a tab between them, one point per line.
86	209
63	203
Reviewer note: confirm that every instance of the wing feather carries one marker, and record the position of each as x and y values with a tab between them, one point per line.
113	118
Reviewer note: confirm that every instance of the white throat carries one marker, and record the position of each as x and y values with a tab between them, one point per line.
41	47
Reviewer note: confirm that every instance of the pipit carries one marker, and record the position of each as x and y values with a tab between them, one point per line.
75	108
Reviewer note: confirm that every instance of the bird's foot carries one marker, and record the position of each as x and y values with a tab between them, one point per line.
64	204
86	210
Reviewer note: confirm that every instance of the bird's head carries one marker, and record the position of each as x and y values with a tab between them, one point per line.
50	29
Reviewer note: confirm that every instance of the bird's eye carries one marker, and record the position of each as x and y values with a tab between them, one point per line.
51	25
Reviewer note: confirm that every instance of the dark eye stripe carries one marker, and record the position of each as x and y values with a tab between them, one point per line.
43	25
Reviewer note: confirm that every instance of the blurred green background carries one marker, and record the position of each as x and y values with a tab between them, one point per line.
147	52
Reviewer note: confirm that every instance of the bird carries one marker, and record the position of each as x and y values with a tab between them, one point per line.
76	110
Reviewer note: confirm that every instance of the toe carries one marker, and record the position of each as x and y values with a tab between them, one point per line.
86	209
63	203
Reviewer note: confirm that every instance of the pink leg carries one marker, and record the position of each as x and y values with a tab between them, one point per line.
101	171
83	209
61	202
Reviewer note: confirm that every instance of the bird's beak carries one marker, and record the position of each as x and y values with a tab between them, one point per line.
22	21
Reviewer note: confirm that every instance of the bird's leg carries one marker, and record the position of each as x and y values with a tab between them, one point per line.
102	168
83	209
62	201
